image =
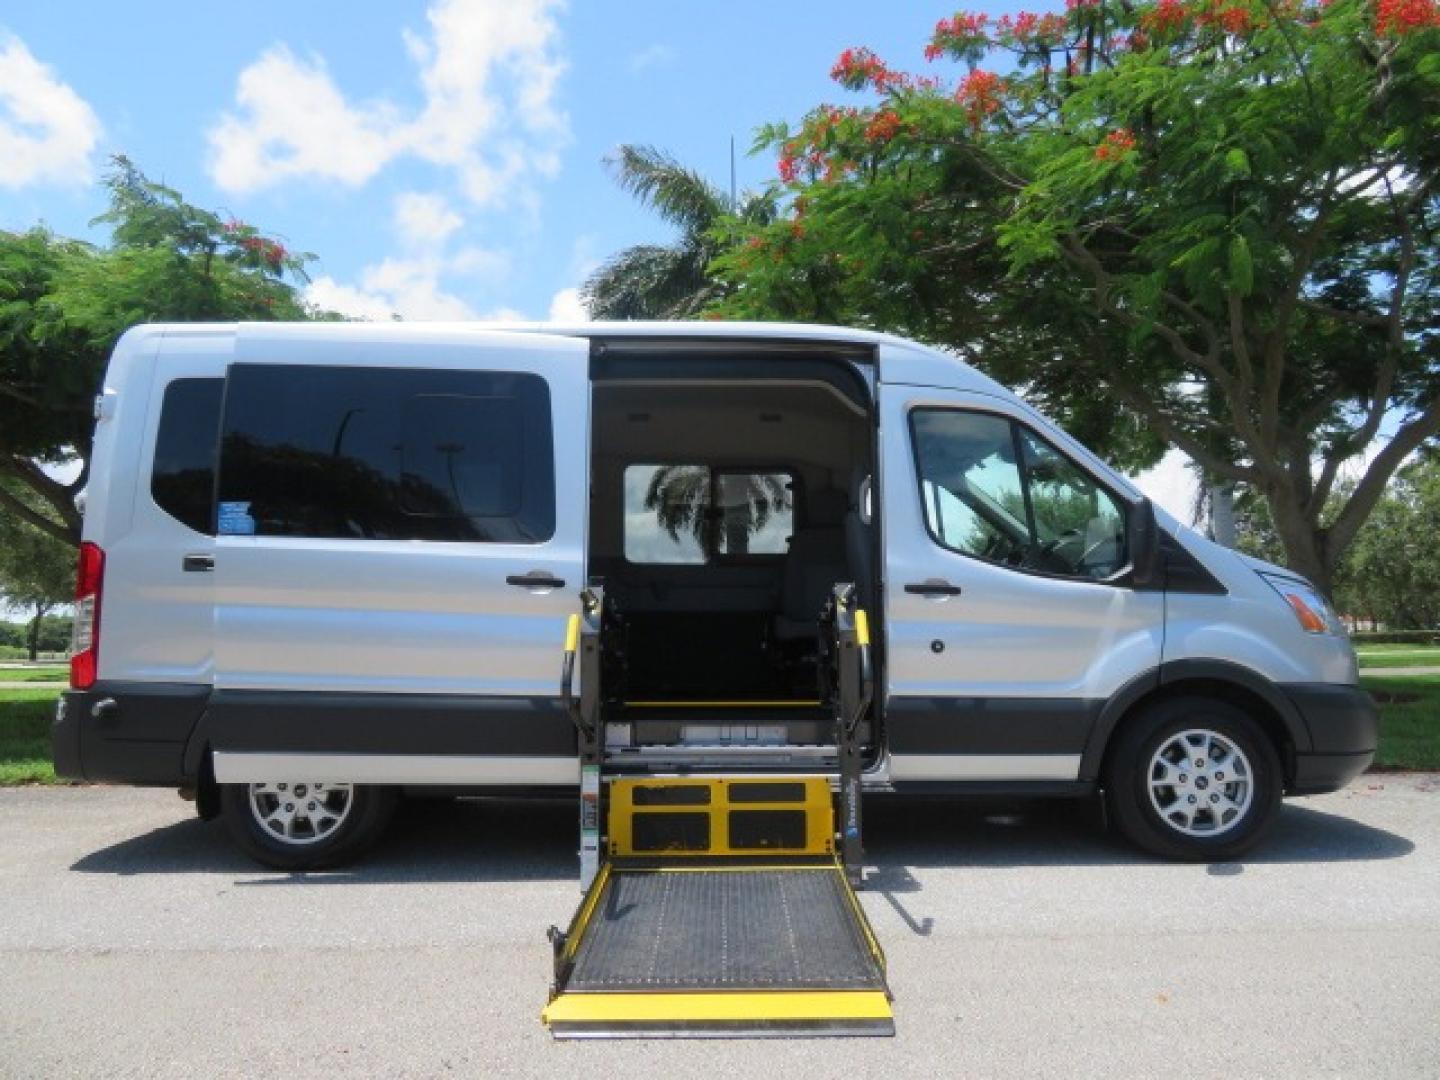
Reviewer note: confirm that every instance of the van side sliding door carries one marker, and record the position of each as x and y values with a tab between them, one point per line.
1010	622
400	525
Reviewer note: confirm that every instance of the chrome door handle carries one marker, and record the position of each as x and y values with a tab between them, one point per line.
536	579
933	587
198	563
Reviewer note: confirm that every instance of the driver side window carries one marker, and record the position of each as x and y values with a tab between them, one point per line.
995	490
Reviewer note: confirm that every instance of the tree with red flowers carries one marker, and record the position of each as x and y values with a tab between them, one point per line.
63	304
1209	224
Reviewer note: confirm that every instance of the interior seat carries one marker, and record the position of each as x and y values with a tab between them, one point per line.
814	562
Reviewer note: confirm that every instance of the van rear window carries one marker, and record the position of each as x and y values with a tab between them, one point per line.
182	476
386	454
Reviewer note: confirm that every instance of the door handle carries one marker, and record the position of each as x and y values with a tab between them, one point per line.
933	587
198	563
535	579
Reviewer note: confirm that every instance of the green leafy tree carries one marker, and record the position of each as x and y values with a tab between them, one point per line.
64	303
1201	223
667	281
37	571
1391	575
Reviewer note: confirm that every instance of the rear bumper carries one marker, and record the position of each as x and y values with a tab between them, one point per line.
1344	728
128	733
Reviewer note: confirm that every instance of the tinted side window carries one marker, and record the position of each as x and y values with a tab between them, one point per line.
387	454
1079	524
182	476
993	489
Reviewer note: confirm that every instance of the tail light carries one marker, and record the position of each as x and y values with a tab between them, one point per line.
85	638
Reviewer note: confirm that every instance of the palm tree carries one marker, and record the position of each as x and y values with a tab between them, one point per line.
660	281
684	499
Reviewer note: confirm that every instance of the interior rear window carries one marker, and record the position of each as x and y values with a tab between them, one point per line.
694	514
182	476
387	454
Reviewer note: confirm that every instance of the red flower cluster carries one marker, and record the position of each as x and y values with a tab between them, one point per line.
1401	17
1071	5
956	33
1027	28
1164	17
980	94
858	68
1231	18
268	250
1115	145
883	126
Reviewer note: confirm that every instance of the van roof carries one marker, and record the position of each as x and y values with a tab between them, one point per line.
908	361
701	329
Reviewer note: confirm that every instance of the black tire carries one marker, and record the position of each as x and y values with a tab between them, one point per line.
370	811
1128	782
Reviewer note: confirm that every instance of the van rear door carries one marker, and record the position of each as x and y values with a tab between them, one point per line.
401	519
1010	620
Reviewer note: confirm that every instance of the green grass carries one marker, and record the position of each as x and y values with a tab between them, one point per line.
1397	656
34	674
25	717
1409	720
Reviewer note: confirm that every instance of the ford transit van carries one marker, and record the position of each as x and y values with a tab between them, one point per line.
326	564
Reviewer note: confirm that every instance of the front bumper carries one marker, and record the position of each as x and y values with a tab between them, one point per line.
1344	728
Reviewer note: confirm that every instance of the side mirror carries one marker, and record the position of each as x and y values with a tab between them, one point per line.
1147	571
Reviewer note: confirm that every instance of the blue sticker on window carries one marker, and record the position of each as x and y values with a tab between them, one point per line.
235	519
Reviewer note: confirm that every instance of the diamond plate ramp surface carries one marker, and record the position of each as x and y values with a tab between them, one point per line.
757	929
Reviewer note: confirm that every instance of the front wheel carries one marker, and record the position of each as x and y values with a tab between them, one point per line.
305	825
1194	778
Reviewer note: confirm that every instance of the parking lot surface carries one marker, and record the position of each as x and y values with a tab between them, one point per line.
1022	941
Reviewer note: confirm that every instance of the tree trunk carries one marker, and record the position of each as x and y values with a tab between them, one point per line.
1222	513
1305	542
32	636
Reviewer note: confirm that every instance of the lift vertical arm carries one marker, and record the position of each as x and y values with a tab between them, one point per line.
582	652
852	694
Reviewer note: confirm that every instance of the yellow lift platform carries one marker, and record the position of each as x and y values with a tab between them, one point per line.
719	906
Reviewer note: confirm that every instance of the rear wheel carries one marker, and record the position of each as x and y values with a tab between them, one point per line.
1194	778
305	825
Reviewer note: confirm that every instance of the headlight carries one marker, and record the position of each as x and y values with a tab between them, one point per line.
1313	613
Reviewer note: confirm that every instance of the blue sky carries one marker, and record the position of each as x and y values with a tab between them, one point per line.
442	159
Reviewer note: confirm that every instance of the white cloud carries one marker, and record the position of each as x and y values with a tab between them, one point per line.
47	131
565	307
327	294
409	285
487	70
394	288
425	220
651	56
1171	485
294	121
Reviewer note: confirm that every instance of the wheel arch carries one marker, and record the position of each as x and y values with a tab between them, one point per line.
1226	681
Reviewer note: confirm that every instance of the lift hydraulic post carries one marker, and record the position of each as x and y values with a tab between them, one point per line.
719	904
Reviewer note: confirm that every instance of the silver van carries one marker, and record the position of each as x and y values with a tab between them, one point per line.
326	564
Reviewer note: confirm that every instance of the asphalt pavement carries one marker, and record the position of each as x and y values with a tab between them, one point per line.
1022	941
